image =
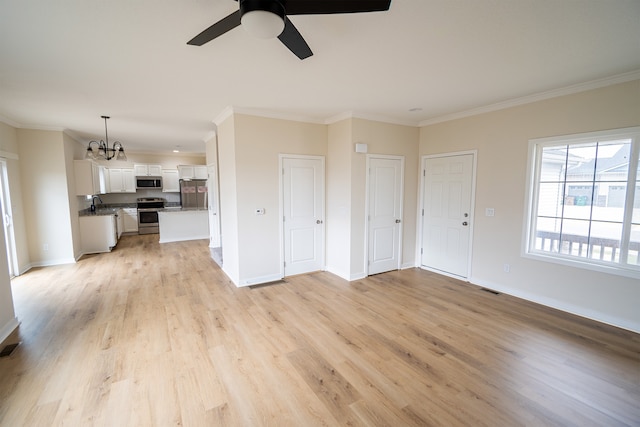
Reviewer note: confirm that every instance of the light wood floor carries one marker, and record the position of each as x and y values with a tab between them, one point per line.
156	335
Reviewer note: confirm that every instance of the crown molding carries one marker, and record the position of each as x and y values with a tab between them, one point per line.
8	121
209	136
371	117
554	93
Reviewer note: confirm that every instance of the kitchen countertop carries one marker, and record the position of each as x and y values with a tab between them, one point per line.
181	209
102	210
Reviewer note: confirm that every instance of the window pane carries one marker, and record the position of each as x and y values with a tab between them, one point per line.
550	199
575	235
553	164
581	162
605	241
615	214
613	160
633	256
547	234
578	201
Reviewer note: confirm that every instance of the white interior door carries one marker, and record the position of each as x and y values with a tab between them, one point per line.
303	214
446	210
385	213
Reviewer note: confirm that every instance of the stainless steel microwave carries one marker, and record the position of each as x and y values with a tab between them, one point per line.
148	182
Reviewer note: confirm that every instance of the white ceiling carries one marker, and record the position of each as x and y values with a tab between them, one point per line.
65	63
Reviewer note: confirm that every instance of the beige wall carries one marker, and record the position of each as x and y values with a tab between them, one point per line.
72	149
501	139
9	149
46	198
228	199
385	139
165	160
258	143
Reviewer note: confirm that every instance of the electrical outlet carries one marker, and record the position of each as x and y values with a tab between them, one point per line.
489	212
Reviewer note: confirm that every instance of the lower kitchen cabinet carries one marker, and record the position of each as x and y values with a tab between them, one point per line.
98	233
130	217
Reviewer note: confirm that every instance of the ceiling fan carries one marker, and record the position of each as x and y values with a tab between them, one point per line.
269	18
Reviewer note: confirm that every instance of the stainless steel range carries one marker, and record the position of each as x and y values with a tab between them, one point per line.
148	215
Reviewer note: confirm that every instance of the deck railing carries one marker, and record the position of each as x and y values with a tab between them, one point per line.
586	247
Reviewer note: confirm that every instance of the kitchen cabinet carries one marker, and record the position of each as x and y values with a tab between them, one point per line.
193	172
147	170
130	219
170	181
90	178
119	224
98	233
122	180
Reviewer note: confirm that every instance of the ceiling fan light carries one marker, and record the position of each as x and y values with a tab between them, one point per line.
262	24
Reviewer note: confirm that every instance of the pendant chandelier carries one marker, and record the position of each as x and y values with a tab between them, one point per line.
101	150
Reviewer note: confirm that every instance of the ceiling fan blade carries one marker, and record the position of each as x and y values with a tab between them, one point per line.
313	7
293	40
217	29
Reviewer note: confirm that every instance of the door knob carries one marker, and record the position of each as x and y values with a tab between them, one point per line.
465	223
397	221
319	221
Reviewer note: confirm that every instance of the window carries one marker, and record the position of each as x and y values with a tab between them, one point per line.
584	200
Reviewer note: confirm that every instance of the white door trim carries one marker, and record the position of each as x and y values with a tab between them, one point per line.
281	158
366	208
10	238
419	244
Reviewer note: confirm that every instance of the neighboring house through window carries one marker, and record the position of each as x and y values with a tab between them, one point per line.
584	200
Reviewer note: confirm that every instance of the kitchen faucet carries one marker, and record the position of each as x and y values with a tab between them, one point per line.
93	202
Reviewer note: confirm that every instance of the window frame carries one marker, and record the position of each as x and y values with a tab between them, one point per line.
534	164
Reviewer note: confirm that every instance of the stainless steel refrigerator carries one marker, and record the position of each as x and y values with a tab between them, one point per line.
194	193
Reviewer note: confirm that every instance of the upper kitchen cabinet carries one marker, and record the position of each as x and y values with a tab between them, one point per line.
147	170
122	180
170	181
90	178
193	172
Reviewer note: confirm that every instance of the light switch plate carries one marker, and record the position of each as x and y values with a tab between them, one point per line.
489	212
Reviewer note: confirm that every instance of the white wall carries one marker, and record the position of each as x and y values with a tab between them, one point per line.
501	139
338	177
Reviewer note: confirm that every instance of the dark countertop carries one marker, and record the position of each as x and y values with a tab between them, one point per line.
102	210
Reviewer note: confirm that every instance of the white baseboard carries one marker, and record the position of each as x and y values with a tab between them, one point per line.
8	328
51	263
560	305
340	274
184	239
259	280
